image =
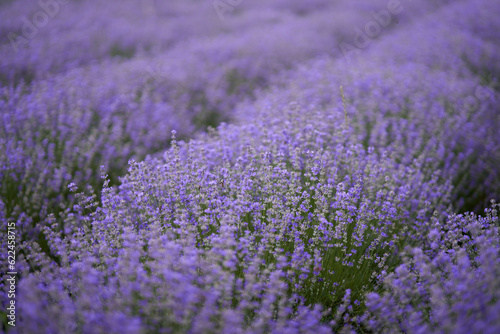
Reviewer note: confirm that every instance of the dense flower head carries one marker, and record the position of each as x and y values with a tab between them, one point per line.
277	167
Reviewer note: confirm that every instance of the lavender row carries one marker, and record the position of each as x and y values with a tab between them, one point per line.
240	229
268	227
52	36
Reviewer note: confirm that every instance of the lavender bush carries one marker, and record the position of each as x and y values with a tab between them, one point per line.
449	286
279	167
243	209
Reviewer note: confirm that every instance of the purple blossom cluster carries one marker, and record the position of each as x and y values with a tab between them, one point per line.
233	225
452	286
277	167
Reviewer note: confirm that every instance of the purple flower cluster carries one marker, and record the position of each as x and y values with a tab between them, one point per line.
452	287
233	229
280	167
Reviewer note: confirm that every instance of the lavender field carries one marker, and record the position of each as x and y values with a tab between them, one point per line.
250	166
